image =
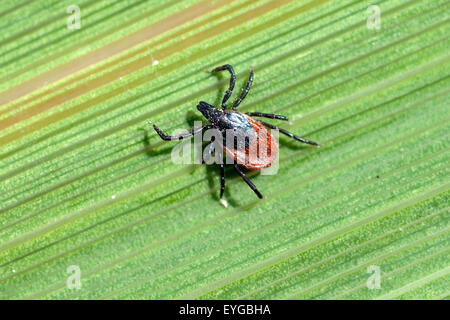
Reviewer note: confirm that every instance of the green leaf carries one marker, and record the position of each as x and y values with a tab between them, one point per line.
86	182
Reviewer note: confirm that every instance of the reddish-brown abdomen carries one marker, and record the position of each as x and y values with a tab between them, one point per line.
261	151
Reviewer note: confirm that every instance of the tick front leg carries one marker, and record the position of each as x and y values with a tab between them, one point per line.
247	180
267	115
245	91
181	136
232	82
289	134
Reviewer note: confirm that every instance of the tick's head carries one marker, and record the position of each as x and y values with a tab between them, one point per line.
209	112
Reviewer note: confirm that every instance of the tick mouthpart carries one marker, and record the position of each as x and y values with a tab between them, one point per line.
208	111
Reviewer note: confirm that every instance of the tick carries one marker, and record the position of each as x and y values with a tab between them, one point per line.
251	132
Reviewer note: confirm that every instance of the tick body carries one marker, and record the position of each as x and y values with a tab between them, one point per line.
244	139
252	138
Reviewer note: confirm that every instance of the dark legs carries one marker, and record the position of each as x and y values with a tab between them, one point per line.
222	168
231	87
289	134
266	115
232	82
243	176
181	136
279	117
222	176
250	184
245	91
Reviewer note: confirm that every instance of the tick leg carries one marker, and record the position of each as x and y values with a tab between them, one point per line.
245	91
181	136
289	134
250	184
232	82
267	115
222	169
222	180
